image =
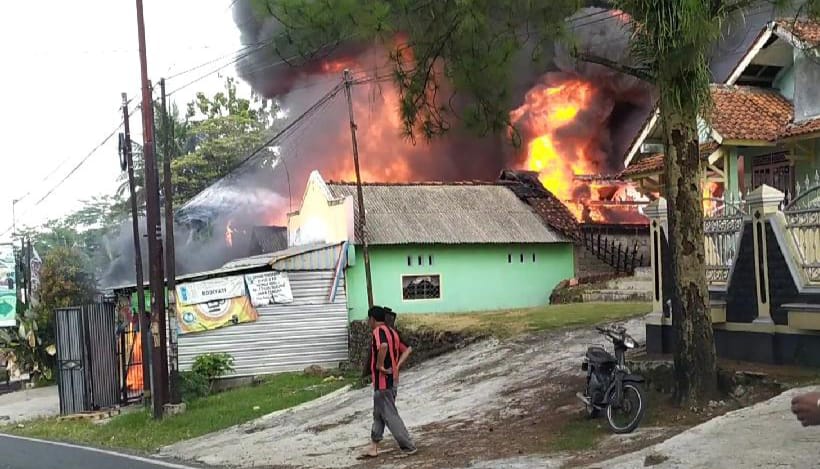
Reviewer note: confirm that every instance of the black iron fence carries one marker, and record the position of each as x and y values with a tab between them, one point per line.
624	259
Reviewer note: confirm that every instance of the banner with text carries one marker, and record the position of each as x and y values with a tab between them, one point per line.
212	304
212	289
8	287
269	288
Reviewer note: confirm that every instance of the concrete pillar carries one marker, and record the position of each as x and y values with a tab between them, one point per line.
763	203
658	226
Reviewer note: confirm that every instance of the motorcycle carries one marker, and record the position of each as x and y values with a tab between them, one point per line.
610	387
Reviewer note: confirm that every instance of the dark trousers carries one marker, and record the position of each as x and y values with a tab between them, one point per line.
386	414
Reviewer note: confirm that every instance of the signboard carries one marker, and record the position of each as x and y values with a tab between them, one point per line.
215	314
8	287
212	304
210	290
269	288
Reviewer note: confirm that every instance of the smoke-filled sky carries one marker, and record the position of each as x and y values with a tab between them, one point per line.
64	67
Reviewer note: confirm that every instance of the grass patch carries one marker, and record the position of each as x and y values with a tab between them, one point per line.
139	431
510	323
577	435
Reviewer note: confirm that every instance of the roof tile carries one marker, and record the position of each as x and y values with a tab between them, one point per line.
807	30
749	113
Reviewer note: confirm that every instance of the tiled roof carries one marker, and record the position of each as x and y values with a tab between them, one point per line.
802	128
806	30
644	164
446	213
556	215
651	163
749	113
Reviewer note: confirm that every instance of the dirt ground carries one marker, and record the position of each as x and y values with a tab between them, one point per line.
518	389
508	404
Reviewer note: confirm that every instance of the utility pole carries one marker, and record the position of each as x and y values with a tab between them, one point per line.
362	220
170	254
14	218
156	275
142	317
29	255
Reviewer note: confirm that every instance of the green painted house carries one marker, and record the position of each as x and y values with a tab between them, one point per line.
765	124
437	247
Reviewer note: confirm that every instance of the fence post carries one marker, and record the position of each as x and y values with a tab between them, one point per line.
618	263
612	256
763	202
658	219
598	251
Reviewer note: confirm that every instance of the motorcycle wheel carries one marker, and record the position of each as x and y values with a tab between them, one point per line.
626	417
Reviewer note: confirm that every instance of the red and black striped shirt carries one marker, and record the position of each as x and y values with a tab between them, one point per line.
385	335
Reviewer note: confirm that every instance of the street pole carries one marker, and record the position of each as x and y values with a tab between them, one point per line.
362	220
142	317
170	254
154	231
14	219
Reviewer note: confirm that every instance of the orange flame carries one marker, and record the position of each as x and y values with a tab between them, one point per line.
546	110
711	190
229	231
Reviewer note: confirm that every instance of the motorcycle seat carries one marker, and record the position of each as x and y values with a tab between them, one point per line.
599	355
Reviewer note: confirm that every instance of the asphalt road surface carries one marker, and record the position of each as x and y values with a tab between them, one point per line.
25	453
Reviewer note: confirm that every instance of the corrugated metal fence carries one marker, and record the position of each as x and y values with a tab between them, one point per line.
286	337
87	358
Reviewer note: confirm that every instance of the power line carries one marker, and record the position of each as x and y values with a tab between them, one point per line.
72	171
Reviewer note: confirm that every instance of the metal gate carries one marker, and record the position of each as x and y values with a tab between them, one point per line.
130	363
87	374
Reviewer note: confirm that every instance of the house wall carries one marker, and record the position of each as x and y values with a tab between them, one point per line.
807	164
784	82
473	277
320	222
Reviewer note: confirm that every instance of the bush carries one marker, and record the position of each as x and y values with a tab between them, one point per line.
213	365
206	368
193	385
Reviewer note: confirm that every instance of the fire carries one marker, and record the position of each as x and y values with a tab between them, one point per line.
711	191
229	231
545	112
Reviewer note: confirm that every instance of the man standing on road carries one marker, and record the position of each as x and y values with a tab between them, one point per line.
387	355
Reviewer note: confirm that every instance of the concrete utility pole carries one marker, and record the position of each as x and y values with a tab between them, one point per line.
154	231
362	219
127	164
170	255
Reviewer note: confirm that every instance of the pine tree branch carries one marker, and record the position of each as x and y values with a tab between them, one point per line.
618	67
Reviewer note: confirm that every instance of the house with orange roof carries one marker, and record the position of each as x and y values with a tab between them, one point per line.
765	124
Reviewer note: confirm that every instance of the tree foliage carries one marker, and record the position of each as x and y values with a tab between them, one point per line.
221	131
64	281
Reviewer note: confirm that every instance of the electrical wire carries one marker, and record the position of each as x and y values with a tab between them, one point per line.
71	172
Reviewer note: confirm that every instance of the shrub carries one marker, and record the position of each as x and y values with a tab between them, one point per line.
213	365
193	385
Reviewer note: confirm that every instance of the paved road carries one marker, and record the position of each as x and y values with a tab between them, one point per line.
24	453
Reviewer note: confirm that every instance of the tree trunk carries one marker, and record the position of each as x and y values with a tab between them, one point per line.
695	362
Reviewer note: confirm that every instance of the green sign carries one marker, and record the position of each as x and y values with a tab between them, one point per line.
8	287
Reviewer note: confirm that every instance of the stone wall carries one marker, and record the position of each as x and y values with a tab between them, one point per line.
426	343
